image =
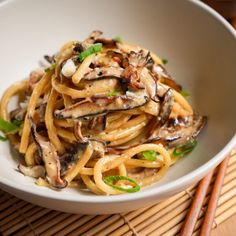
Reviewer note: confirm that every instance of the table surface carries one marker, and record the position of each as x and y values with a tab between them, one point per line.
228	228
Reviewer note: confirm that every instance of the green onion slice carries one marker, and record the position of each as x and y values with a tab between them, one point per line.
185	93
17	122
113	93
89	51
117	39
182	150
109	180
51	68
149	155
2	138
9	127
164	61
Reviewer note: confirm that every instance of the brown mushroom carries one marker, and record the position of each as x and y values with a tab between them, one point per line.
97	123
32	171
135	70
131	76
78	133
100	72
91	38
71	156
176	134
98	149
34	78
165	108
109	43
48	153
140	59
102	104
161	72
150	83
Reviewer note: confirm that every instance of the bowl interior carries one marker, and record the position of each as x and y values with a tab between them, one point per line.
200	50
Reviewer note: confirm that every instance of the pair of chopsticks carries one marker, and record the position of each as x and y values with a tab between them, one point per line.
192	216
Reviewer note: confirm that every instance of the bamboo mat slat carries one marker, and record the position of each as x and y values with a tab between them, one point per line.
18	217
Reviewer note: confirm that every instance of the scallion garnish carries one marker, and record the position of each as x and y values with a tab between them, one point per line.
2	138
184	93
117	39
51	68
17	122
182	150
164	61
112	180
149	155
89	51
113	93
9	127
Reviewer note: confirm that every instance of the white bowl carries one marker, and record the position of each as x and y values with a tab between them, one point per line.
201	49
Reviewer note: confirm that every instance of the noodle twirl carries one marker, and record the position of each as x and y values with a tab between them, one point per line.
104	116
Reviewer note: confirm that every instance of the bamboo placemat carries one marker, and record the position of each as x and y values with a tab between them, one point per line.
18	217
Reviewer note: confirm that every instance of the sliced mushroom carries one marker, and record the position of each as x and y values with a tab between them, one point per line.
104	60
32	171
97	123
164	113
150	83
98	146
78	133
136	61
151	107
161	72
71	156
50	158
180	121
50	59
100	72
18	114
102	64
131	76
127	48
78	48
34	77
102	104
116	56
101	86
91	38
140	59
110	43
172	84
175	135
98	149
166	107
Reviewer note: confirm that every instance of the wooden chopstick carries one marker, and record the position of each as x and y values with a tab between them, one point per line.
196	205
213	201
198	200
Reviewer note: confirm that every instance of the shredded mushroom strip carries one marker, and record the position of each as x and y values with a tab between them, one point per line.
105	116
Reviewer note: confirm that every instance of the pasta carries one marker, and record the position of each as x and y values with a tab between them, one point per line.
105	117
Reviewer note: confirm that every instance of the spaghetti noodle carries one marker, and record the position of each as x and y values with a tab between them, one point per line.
105	116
